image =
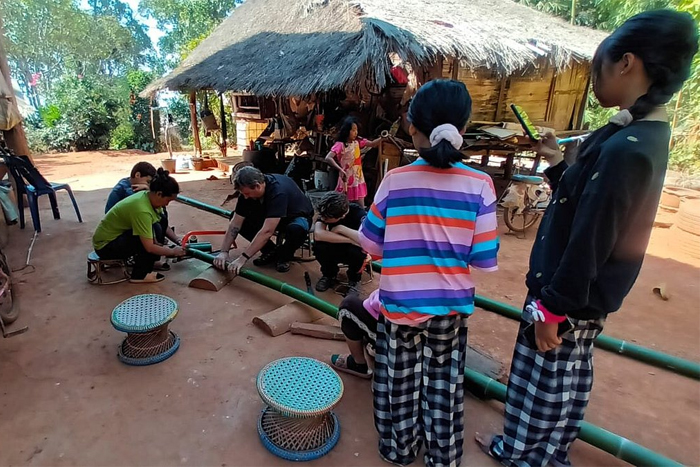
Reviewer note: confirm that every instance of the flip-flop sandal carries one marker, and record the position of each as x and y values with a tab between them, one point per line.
340	363
487	447
162	267
151	278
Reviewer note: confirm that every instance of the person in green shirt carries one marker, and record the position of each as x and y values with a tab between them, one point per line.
127	229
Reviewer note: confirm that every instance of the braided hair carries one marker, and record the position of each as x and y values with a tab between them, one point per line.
164	183
665	41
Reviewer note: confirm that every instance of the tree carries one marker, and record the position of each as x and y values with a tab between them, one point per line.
185	20
49	38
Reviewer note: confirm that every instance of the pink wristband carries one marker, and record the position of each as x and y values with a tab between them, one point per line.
549	317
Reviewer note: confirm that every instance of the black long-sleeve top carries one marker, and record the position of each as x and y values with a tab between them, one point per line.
591	243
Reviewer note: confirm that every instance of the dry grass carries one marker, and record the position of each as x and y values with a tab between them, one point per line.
300	47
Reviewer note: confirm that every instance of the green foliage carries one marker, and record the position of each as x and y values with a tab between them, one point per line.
88	105
185	20
179	108
133	130
50	115
52	38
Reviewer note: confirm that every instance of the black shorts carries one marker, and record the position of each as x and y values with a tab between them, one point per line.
356	322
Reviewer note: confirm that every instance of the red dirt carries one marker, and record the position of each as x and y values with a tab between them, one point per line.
66	399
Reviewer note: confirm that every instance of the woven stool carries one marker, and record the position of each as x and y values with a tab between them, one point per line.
96	267
145	319
298	424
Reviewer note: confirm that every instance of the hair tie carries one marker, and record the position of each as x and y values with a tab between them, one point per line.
622	118
447	132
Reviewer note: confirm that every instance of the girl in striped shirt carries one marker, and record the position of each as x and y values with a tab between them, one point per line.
431	221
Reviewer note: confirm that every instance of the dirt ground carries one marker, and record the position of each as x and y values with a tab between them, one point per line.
66	399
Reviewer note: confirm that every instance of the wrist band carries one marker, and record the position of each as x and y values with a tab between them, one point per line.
245	255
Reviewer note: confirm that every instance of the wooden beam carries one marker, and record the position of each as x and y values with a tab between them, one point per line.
501	97
15	138
195	125
319	331
455	69
279	320
552	95
580	108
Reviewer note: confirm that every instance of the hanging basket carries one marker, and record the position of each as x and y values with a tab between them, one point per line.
209	122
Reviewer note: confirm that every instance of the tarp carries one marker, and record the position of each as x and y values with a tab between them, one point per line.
9	113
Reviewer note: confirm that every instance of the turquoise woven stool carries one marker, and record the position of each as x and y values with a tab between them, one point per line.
300	393
145	319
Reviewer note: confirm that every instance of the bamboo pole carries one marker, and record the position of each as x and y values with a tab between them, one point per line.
605	440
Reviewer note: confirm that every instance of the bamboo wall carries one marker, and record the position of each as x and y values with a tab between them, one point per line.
552	98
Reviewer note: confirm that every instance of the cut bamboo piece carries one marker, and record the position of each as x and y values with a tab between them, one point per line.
319	331
212	279
279	321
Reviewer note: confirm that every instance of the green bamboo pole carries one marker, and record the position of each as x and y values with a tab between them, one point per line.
204	206
605	440
274	284
480	384
625	348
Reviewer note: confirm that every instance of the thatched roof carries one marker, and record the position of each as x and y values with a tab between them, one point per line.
298	47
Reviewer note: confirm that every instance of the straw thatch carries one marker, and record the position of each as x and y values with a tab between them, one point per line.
273	47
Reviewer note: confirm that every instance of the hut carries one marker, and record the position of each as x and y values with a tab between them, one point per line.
504	51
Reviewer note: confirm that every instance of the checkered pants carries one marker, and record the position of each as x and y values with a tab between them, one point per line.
546	399
418	390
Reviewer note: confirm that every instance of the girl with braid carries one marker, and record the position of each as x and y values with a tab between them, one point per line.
592	239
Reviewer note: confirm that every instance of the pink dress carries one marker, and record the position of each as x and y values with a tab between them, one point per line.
349	158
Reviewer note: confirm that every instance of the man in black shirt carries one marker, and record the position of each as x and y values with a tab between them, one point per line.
269	204
336	241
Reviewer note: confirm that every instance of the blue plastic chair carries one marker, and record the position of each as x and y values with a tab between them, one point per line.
30	182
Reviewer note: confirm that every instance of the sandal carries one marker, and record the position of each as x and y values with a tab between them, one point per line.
340	363
486	444
161	266
151	278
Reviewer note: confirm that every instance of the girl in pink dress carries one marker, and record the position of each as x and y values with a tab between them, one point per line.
345	157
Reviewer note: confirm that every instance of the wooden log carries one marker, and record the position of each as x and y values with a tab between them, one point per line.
279	321
319	331
212	279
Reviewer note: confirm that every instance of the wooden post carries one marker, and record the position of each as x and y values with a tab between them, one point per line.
223	124
455	69
501	96
195	126
15	138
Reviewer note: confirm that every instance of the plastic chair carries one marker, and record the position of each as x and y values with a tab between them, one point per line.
36	185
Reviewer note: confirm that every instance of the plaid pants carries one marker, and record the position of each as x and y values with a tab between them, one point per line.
418	390
546	399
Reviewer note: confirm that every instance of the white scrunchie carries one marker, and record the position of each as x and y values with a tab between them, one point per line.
622	118
447	132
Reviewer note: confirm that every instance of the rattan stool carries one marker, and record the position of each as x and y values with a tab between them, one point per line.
96	267
298	423
145	319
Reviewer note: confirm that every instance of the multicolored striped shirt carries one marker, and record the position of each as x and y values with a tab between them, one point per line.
430	226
